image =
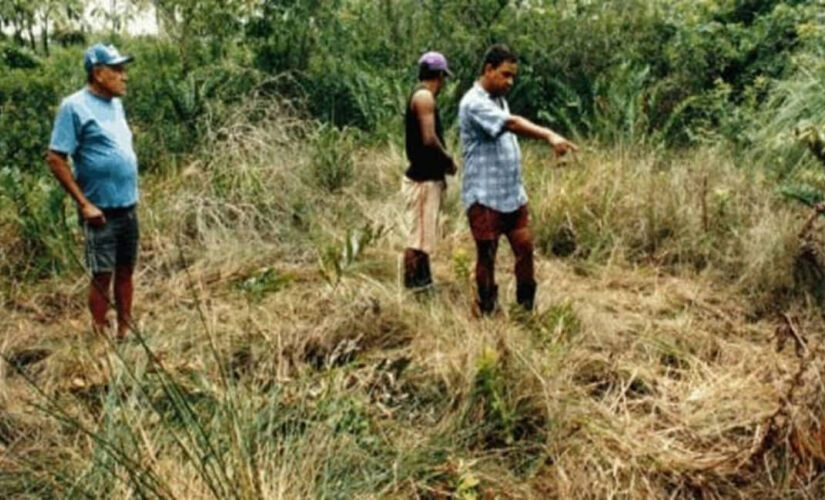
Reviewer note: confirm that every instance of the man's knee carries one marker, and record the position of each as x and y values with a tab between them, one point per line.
99	290
522	240
124	273
102	280
486	250
525	249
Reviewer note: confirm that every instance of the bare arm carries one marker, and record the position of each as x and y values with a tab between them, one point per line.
423	105
60	168
522	126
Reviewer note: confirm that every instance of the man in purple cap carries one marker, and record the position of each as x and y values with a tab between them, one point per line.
91	128
424	181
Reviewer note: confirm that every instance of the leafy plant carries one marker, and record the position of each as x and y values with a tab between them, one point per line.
46	242
338	259
462	265
262	283
490	400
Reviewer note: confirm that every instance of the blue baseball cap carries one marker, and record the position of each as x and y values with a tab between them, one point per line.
435	61
99	54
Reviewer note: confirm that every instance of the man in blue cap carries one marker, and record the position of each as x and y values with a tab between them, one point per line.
91	128
424	181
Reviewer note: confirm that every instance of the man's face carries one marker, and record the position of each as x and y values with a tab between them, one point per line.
502	78
112	78
440	81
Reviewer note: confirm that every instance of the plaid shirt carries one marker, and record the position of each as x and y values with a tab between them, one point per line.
492	159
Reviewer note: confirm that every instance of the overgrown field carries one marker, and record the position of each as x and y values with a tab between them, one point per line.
676	350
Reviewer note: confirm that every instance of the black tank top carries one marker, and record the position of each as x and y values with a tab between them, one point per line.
426	164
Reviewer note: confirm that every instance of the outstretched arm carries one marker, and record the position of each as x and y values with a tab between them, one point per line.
522	126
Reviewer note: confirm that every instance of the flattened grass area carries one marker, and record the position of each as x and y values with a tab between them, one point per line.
275	354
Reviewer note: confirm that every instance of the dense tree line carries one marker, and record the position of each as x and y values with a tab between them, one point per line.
668	71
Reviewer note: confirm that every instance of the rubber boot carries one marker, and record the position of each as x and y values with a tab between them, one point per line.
526	294
425	277
417	269
487	297
410	268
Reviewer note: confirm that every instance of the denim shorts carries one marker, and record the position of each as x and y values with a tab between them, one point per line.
115	243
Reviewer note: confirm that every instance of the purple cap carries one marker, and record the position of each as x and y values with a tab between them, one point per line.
435	61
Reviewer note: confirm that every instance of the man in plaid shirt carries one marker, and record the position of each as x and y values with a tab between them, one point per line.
492	191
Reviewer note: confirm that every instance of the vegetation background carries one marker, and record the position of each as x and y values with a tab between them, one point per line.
275	354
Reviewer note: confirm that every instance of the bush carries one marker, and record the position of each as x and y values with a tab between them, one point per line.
332	157
25	121
14	57
648	70
44	243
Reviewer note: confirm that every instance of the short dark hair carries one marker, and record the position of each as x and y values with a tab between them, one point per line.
427	73
497	54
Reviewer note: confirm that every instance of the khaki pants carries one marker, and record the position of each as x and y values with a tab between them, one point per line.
423	204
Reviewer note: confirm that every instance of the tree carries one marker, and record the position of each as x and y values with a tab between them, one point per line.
210	24
47	12
29	19
19	14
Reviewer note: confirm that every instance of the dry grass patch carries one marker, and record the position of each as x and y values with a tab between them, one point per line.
280	357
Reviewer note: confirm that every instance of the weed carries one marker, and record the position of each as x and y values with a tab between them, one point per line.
490	401
262	283
338	259
462	266
332	157
559	322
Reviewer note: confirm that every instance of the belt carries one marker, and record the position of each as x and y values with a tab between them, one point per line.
117	211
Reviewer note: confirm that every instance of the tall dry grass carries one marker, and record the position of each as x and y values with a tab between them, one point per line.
698	212
276	356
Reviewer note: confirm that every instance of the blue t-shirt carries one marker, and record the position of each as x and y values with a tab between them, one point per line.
93	131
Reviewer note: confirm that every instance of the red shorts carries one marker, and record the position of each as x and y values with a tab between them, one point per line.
489	224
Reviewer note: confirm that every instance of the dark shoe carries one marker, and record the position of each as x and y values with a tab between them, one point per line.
409	267
487	298
526	295
425	277
411	258
416	269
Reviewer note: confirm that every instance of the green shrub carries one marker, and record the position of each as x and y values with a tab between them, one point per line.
46	239
490	399
332	157
27	105
15	57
